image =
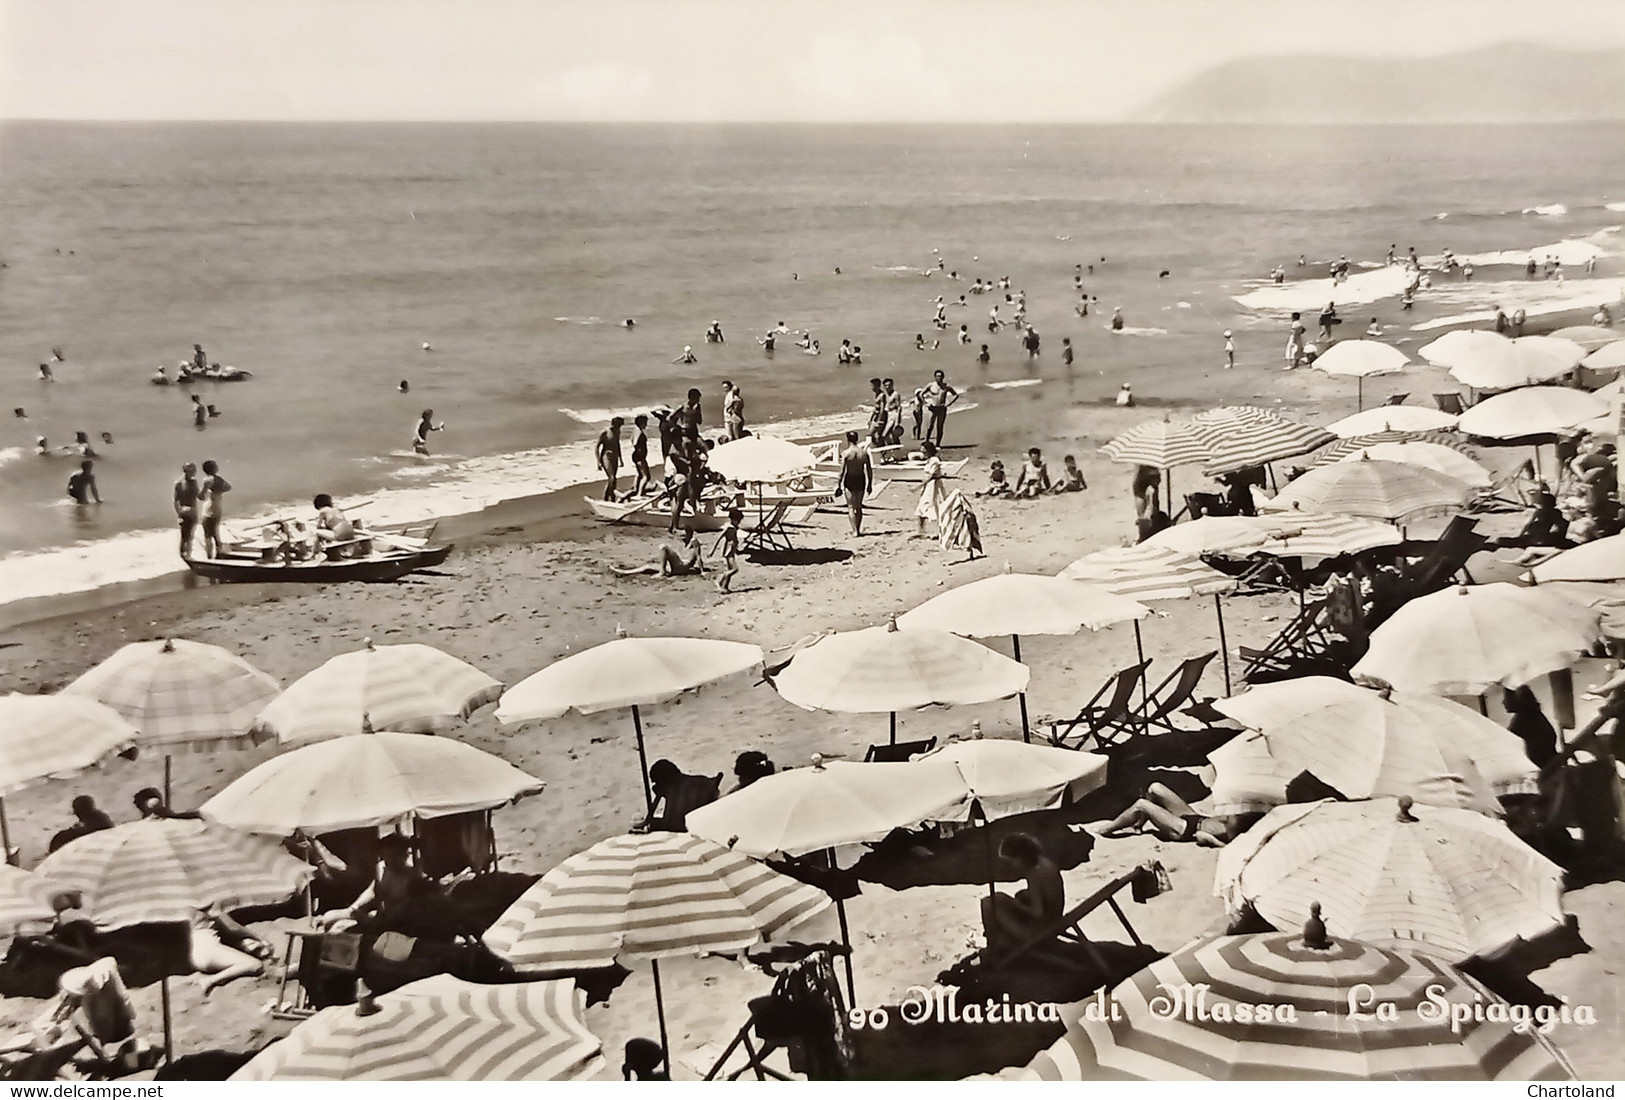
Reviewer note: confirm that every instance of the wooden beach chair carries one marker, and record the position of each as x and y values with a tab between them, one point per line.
1107	723
1307	645
1448	402
1510	493
1174	693
1396	399
899	753
1444	560
764	529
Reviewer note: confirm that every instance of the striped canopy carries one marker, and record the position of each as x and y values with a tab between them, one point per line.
354	782
1532	411
1355	443
1440	459
408	688
1373	488
1022	603
650	896
54	736
626	672
801	810
1365	742
441	1029
885	669
1392	418
181	695
1307	535
1009	777
1600	560
162	869
1162	444
25	897
1243	436
1149	572
1465	640
1444	882
1361	359
1156	1040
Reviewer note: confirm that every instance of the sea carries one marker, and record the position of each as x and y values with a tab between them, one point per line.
491	267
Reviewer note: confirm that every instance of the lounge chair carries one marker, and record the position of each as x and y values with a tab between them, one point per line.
1437	569
1448	403
1396	399
91	1024
1308	645
455	843
899	753
1171	696
1107	723
1507	494
1266	573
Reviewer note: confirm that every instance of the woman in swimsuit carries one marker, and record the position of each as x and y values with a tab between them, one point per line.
857	478
1172	818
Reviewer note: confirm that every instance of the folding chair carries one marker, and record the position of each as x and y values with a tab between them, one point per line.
1448	403
1396	399
899	753
1506	494
1173	693
1265	573
768	532
1110	722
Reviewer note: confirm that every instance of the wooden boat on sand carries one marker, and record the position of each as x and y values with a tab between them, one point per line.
382	554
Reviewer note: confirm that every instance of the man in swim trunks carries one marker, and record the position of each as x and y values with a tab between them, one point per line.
877	414
607	453
82	485
420	434
939	395
733	410
857	479
1173	819
894	412
186	507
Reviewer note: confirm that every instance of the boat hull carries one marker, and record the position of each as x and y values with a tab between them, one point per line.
379	567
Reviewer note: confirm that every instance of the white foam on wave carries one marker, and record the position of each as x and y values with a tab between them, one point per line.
1614	206
579	320
1536	297
1549	210
1137	330
12	454
604	416
1574	250
463	486
1015	384
1360	288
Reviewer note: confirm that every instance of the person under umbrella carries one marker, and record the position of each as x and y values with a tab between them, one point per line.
1010	920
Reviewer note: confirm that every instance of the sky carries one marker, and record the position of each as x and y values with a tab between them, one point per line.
702	60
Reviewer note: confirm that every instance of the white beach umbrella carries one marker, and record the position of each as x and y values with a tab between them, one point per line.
1600	560
1445	461
1361	359
1371	488
1005	778
759	458
1608	357
1460	346
1589	337
1532	411
53	736
1392	418
1525	361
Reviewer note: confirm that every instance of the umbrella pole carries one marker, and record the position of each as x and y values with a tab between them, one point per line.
1021	696
643	761
5	831
1224	646
987	844
169	1027
1361	406
660	1013
894	727
166	779
846	938
1139	652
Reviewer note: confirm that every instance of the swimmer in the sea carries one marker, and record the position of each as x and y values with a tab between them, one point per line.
45	374
200	414
20	413
629	323
1117	319
426	346
57	356
420	434
404	387
688	356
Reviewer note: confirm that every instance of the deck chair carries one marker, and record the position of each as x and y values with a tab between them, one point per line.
1174	693
1207	504
1396	399
1507	494
92	1025
456	843
1265	573
1445	559
1147	881
1106	723
1308	643
899	753
1448	403
764	528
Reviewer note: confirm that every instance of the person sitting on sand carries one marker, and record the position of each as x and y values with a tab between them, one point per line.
1032	480
1012	919
1071	480
401	898
150	804
215	959
727	547
88	818
1125	396
1173	819
676	795
684	560
751	766
998	485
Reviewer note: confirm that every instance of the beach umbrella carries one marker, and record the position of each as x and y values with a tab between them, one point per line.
1445	461
1005	778
643	898
1392	418
1023	603
759	458
163	869
882	670
25	897
53	736
1365	742
1525	361
1608	357
1210	535
1149	572
1162	445
182	696
409	688
1247	779
1589	337
356	782
626	672
1297	534
1439	881
1372	488
1600	560
1461	345
1155	1030
1242	437
1465	640
1531	411
1354	443
1361	359
440	1029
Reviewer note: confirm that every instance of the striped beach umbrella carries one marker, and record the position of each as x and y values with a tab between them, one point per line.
183	696
1315	536
1438	881
1022	603
648	897
25	897
1367	742
1181	1019
1448	461
163	869
626	672
1352	444
1373	488
1243	436
1392	418
440	1029
1161	444
407	688
1465	640
356	782
53	736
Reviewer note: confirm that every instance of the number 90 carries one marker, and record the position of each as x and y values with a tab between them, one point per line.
875	1019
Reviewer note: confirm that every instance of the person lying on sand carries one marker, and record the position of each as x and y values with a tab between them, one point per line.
216	960
1071	480
1172	818
684	560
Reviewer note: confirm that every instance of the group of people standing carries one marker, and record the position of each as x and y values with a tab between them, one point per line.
199	504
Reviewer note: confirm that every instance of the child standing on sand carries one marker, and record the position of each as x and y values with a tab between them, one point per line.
727	545
1229	351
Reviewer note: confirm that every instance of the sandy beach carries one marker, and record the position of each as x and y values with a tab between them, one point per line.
532	591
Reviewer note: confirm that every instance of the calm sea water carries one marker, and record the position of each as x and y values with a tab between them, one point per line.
321	257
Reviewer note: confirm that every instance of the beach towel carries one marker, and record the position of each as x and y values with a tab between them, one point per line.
959	528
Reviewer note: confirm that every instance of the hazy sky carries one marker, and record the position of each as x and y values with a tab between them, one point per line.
700	60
